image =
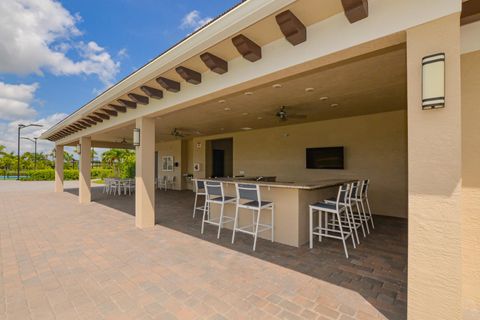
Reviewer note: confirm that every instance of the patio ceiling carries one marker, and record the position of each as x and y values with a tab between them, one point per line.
368	84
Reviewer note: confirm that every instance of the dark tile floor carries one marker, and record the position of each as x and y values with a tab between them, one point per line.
377	269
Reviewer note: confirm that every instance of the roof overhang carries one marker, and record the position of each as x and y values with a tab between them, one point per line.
388	17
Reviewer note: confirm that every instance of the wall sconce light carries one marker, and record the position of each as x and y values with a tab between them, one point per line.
433	81
136	137
78	149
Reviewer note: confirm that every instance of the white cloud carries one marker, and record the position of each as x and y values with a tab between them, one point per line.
193	20
8	133
37	35
15	101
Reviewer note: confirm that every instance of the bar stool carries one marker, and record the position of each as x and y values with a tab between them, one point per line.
199	186
359	203
216	195
355	217
248	197
335	230
364	197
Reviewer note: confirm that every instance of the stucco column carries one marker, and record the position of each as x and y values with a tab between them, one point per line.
85	195
145	174
434	178
59	168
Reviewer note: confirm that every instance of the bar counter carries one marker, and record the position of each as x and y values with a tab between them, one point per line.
291	201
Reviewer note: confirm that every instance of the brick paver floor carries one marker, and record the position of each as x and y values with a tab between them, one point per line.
63	260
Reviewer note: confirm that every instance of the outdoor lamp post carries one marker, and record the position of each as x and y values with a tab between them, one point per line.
20	127
34	140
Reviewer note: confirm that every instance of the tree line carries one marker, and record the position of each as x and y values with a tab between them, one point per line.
120	162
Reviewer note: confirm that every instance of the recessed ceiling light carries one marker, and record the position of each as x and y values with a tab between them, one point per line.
277	85
227	109
222	101
334	105
259	118
309	89
323	98
247	128
248	93
245	114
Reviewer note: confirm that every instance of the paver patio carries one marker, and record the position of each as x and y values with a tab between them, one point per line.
60	259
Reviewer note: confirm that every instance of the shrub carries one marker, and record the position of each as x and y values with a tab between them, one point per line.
68	174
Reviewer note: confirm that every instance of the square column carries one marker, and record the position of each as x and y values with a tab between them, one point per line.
434	177
145	174
59	168
85	194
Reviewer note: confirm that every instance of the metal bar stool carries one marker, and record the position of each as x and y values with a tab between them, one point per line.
248	197
216	195
358	200
199	186
336	211
355	217
364	197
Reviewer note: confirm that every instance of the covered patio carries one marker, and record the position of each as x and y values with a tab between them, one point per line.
249	98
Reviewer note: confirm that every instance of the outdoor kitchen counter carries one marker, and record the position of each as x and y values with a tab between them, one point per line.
311	185
291	200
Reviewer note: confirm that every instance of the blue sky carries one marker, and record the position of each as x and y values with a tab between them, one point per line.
57	55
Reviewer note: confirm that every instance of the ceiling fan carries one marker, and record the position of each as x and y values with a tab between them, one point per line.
284	115
181	132
124	141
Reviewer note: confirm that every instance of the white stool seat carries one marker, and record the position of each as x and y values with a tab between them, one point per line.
333	219
248	197
214	194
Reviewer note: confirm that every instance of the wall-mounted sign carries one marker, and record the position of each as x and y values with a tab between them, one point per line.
196	167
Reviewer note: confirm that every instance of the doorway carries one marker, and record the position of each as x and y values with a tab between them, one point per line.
220	154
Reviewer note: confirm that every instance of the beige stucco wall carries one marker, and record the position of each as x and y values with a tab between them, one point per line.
375	148
434	178
471	184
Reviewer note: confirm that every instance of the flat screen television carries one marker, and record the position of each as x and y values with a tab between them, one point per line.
325	158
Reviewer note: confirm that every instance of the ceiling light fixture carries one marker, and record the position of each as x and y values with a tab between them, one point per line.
334	105
259	118
277	85
227	109
245	114
222	101
246	128
323	98
248	93
309	89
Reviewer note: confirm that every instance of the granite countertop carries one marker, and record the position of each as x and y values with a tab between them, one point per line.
311	185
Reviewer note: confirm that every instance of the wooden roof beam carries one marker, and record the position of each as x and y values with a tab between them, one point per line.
102	115
470	12
355	10
169	85
110	112
138	98
89	121
127	103
84	123
95	118
118	108
292	28
189	75
214	63
247	48
152	92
